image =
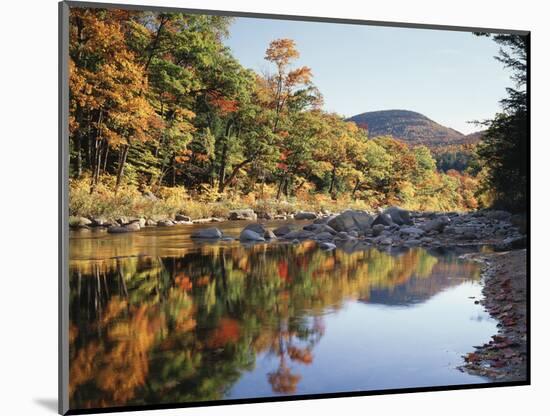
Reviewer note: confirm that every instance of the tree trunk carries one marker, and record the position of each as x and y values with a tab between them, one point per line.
122	163
173	170
355	188
223	163
280	188
235	172
332	180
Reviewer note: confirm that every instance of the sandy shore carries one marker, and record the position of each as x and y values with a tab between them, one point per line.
504	357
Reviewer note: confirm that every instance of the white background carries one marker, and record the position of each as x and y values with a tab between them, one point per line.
28	234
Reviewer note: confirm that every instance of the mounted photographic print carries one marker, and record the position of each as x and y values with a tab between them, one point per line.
264	207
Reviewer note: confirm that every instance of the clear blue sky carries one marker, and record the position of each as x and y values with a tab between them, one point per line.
451	77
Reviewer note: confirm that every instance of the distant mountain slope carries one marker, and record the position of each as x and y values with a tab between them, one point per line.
411	127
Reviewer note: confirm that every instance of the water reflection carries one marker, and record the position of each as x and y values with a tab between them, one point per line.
165	329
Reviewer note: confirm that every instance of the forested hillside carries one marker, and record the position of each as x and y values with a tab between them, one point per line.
411	127
164	119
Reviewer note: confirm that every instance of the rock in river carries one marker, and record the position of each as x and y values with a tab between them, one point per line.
383	219
437	224
213	233
399	216
305	216
243	214
283	230
351	220
249	235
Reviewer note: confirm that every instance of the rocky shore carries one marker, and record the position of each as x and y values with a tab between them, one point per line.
392	227
504	357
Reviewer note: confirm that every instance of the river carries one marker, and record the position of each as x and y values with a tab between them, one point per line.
157	318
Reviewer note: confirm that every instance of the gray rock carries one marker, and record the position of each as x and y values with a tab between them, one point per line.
149	222
305	216
283	230
181	217
324	236
265	215
319	228
298	234
350	220
164	223
100	222
399	216
438	224
377	229
119	229
353	234
80	222
256	227
385	241
412	231
327	246
213	233
249	235
295	241
243	214
413	242
133	226
382	219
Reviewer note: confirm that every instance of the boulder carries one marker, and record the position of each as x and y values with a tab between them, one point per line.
305	216
249	235
117	229
283	230
213	233
377	229
181	217
299	235
100	222
413	242
324	236
385	241
122	220
399	216
164	223
327	246
80	222
319	228
243	214
133	226
257	228
412	231
382	219
351	220
438	224
149	222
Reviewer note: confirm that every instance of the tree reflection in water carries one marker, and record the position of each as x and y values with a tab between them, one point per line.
175	329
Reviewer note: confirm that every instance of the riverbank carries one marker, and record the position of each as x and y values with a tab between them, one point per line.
354	229
504	357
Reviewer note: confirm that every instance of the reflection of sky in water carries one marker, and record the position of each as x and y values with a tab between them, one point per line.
372	347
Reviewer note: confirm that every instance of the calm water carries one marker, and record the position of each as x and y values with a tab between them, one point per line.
155	318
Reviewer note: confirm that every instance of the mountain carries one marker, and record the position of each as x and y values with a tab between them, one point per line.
411	127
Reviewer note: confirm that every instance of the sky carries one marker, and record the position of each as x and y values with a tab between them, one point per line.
450	77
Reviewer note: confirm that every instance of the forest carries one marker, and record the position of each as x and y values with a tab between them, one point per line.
163	119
